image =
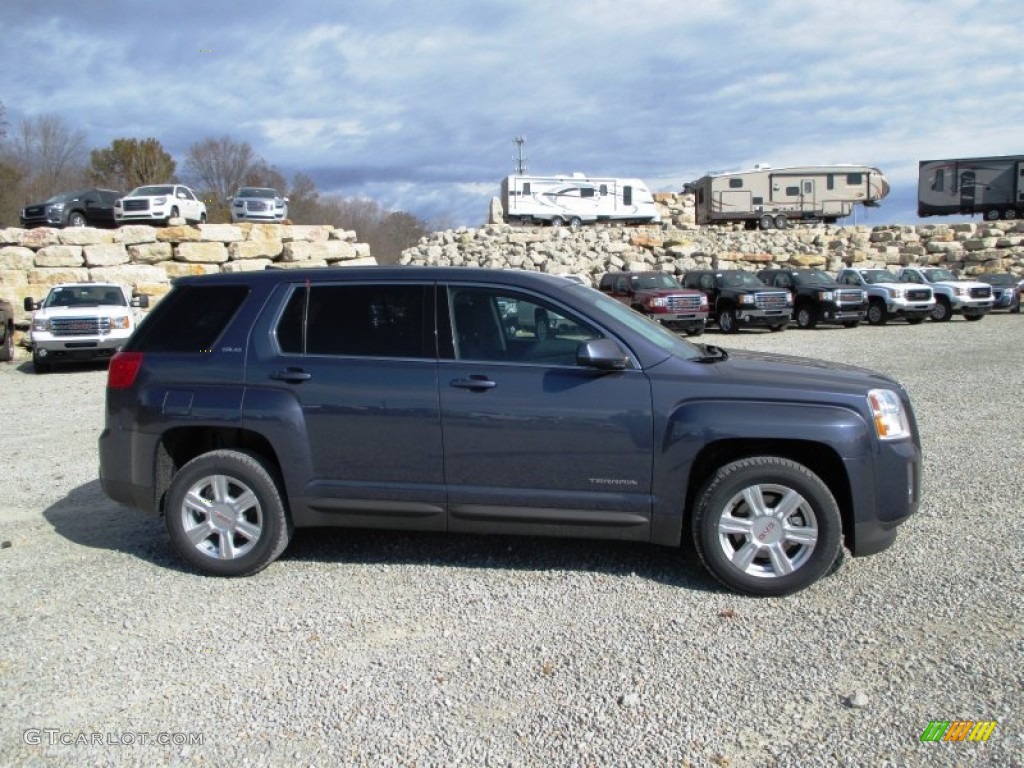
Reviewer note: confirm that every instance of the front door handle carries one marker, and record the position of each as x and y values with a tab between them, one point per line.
294	375
474	382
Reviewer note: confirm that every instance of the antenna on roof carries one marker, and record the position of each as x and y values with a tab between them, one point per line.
519	158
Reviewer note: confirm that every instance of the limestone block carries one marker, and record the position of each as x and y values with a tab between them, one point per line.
246	264
38	238
150	253
16	257
224	233
135	233
129	274
59	256
85	236
183	269
305	233
207	253
179	234
48	276
107	255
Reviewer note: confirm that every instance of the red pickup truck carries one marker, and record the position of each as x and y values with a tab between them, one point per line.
659	296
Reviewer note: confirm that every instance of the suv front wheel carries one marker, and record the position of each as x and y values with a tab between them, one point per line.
767	526
225	514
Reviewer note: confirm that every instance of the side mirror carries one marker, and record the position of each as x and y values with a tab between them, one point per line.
30	305
603	354
141	301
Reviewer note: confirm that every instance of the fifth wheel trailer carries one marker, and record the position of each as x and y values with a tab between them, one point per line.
773	197
576	199
991	186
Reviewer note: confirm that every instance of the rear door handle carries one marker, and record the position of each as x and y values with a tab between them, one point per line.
291	374
474	382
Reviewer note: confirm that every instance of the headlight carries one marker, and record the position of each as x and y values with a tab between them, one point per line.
891	421
40	324
159	200
657	301
825	296
896	293
746	298
55	207
119	323
957	291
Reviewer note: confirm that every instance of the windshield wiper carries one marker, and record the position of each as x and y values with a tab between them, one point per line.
712	354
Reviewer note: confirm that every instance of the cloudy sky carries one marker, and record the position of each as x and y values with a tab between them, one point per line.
415	104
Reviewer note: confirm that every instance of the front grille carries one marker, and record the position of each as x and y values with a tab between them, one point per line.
771	300
136	205
34	210
980	292
919	294
684	303
848	297
256	205
80	326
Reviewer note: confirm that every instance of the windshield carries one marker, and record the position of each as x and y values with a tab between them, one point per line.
938	275
874	276
812	277
605	306
65	197
655	281
85	296
739	280
151	191
257	192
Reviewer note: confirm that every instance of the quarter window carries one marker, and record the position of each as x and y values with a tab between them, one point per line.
357	320
735	183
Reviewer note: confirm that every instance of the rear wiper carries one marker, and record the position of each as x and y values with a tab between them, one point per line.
712	354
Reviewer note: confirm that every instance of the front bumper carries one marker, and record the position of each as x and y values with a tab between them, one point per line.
47	347
765	317
842	313
972	307
884	497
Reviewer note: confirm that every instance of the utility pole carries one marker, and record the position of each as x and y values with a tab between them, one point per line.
519	158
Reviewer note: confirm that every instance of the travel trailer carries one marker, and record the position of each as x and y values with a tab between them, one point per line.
575	200
771	198
991	186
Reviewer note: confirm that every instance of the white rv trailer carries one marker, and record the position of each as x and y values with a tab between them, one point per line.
773	197
576	199
991	186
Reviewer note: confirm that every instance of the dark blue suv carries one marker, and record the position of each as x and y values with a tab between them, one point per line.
399	397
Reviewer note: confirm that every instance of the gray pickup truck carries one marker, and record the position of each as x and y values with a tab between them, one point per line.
249	404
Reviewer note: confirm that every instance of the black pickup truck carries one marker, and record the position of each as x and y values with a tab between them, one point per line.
818	298
737	298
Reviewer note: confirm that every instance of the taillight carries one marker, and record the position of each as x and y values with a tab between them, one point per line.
124	367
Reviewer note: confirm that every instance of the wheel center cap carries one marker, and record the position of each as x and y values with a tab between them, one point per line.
767	530
222	518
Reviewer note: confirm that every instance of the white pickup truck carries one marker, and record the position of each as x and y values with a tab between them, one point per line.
79	322
953	296
889	296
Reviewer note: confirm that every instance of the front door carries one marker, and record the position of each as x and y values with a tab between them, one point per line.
534	443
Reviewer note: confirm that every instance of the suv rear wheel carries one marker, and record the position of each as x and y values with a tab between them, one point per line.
225	514
767	526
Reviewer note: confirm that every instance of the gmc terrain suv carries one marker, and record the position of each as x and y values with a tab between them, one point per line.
659	296
396	397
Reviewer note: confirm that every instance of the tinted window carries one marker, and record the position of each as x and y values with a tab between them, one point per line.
360	320
627	195
507	326
190	319
793	191
735	183
854	179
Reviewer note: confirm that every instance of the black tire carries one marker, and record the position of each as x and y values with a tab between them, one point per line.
779	328
727	321
241	496
766	222
39	365
7	346
750	552
575	223
556	222
695	330
851	323
76	219
806	316
202	218
781	222
942	312
1010	214
992	214
973	318
877	314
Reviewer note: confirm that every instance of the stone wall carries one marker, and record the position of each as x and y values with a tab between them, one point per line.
677	245
147	258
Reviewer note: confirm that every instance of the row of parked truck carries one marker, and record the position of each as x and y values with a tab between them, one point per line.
733	298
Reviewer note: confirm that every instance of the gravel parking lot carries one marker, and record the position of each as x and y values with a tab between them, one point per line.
362	648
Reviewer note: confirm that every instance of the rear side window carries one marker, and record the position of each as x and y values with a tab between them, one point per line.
362	320
189	319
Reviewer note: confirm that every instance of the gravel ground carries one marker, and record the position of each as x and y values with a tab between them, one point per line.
361	648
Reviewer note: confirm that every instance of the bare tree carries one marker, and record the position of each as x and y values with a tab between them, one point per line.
49	156
130	163
217	167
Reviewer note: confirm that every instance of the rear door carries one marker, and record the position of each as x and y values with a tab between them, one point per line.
534	443
354	365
